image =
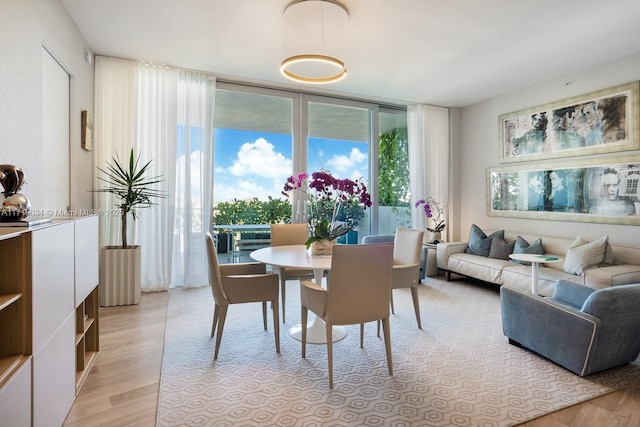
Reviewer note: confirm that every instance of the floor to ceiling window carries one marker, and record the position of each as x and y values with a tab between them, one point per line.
262	136
253	155
394	209
338	139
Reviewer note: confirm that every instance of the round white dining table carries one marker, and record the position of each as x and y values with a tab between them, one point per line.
297	256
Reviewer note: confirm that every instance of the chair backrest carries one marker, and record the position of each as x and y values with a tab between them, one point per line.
617	309
289	234
215	279
407	246
378	238
359	283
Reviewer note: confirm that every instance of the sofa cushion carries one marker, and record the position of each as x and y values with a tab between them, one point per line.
523	247
478	267
519	277
582	255
604	277
501	249
479	242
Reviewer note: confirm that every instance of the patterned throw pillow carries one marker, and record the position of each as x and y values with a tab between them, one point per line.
479	242
500	249
583	255
523	247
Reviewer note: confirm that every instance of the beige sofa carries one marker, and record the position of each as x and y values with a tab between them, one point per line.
451	257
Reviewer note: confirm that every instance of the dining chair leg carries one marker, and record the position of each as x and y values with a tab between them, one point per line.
328	328
391	302
215	320
416	304
361	335
221	318
387	343
378	323
276	323
264	314
304	312
283	291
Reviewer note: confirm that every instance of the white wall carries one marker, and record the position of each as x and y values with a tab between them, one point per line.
478	149
26	26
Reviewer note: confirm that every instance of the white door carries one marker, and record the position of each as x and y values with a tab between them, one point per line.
55	136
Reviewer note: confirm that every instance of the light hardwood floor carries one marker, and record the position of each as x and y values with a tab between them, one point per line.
122	388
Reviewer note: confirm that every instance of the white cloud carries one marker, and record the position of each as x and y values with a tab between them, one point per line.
242	189
342	163
259	158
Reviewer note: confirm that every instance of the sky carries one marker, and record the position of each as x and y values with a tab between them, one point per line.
257	164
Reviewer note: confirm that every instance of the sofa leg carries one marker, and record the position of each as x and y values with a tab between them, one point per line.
448	276
515	343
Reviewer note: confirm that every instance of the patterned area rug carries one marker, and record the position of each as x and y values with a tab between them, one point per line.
458	371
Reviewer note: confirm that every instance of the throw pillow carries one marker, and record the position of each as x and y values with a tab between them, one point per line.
523	247
583	255
479	242
500	249
608	255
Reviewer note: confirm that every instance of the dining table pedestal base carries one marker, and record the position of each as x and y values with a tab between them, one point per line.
316	332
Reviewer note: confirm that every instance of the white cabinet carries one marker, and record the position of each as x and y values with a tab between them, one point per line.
48	319
86	257
15	398
52	283
54	385
86	296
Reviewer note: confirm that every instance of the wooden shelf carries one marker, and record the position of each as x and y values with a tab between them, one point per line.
89	358
9	365
7	300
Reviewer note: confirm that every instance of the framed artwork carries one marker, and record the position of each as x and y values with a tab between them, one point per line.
599	122
86	134
602	190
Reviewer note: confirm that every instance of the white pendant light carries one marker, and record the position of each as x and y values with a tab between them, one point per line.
312	32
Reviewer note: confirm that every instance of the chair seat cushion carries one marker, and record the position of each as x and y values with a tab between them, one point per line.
614	275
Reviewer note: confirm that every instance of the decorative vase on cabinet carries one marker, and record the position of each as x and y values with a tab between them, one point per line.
434	236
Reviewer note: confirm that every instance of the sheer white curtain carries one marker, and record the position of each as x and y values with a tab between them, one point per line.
156	142
194	178
428	133
148	108
115	131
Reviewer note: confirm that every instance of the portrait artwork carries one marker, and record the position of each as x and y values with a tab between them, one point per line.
600	122
605	191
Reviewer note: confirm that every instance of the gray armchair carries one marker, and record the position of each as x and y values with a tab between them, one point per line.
581	329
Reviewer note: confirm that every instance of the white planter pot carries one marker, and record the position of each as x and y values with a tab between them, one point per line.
119	276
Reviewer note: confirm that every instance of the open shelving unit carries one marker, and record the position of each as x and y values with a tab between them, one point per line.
15	305
87	339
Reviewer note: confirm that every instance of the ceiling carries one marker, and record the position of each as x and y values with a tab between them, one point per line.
450	53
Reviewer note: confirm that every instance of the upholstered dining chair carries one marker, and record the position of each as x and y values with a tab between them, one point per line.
284	235
407	247
240	283
358	292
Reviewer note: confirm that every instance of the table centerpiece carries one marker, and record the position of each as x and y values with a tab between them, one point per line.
327	199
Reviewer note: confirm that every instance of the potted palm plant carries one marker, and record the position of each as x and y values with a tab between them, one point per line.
120	265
